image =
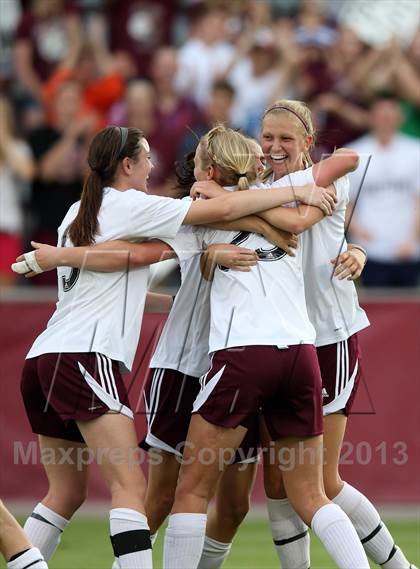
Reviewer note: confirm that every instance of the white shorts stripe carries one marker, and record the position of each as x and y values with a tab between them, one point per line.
343	368
153	416
346	351
98	363
112	378
156	375
337	370
104	381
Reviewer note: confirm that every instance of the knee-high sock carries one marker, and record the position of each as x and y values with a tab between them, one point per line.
130	538
184	539
290	535
376	539
30	558
214	553
44	528
339	537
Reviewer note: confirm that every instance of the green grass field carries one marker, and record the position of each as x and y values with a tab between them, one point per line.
85	545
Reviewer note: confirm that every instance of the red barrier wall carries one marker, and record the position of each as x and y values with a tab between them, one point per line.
381	454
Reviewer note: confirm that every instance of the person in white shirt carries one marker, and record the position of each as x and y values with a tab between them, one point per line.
286	137
258	324
71	384
204	56
388	198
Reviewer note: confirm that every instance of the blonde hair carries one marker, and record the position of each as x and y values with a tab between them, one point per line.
302	117
230	153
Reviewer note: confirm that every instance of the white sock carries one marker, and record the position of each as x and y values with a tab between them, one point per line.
214	553
44	528
376	539
339	537
290	535
130	538
153	538
31	558
184	539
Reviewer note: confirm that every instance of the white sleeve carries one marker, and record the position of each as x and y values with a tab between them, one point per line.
151	216
186	243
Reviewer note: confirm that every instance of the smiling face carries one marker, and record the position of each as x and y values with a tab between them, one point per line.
284	143
138	169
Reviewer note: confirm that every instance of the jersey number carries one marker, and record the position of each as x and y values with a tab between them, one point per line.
272	254
68	282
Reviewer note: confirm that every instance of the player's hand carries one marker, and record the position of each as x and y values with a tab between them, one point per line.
232	256
46	259
349	265
208	189
283	239
314	195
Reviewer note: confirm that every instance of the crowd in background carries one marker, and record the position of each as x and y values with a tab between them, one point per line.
173	68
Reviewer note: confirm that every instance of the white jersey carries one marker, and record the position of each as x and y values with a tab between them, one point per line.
102	312
184	342
265	306
333	305
389	196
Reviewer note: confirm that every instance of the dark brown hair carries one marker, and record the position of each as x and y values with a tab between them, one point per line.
106	150
185	179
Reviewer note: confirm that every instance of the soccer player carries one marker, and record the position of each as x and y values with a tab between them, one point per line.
15	546
72	387
287	134
259	329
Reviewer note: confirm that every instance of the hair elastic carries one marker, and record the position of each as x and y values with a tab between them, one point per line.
124	136
242	175
274	107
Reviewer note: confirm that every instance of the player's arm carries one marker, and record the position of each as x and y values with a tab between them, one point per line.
296	220
255	224
105	257
233	205
341	162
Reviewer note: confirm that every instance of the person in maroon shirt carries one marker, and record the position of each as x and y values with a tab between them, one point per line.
139	27
42	39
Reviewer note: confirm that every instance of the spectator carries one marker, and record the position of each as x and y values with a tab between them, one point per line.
254	74
386	218
175	112
16	168
139	110
218	110
101	79
43	37
205	56
340	113
139	27
60	153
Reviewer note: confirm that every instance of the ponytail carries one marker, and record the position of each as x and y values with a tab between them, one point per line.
107	149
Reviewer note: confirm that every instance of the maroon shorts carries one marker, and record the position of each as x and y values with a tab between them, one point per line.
60	389
169	397
341	372
285	384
